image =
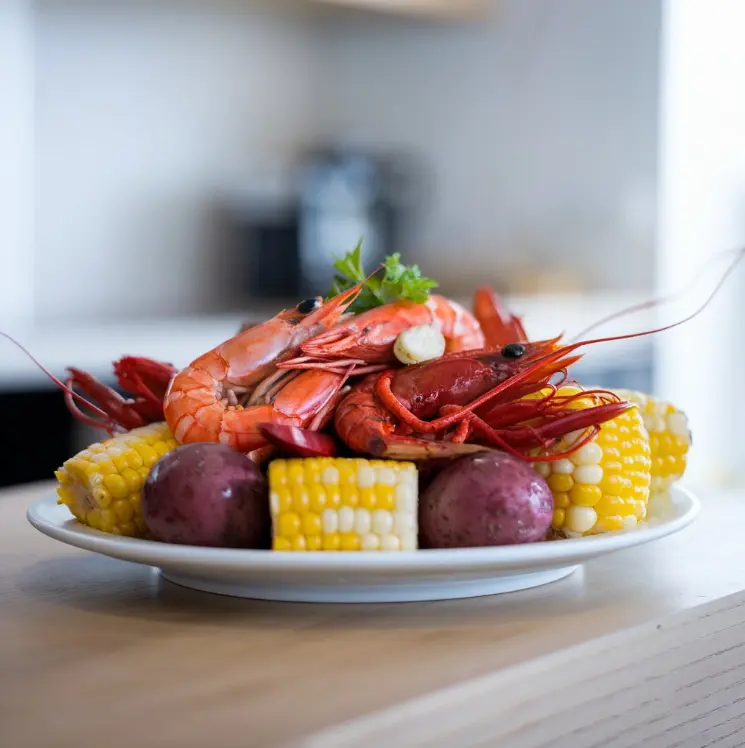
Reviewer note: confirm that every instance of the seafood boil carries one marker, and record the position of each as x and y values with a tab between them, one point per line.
377	418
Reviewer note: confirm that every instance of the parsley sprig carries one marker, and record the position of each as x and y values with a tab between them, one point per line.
393	282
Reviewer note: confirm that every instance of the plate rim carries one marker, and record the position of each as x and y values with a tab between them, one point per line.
155	553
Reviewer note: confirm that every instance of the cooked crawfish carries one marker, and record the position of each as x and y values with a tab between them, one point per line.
466	402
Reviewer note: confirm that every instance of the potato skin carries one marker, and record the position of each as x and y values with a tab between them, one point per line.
485	499
207	494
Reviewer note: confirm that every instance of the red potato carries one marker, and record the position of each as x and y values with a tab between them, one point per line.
485	499
207	494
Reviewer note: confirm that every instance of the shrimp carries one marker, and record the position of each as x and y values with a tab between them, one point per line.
366	340
224	394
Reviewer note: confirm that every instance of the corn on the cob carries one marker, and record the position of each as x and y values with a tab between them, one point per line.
604	485
102	485
343	504
669	437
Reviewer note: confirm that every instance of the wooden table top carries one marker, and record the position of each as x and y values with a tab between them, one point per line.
95	651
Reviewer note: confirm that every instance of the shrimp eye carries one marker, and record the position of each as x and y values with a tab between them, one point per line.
308	306
513	350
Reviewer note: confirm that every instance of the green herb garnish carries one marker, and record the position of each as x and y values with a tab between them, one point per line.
393	282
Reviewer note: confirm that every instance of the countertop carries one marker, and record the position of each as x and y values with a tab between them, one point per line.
643	647
178	340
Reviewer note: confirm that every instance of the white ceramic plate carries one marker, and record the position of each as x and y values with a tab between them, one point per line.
356	577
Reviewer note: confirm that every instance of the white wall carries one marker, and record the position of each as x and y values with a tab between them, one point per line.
702	214
144	110
540	126
16	164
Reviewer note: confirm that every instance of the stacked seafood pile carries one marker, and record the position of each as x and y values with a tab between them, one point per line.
384	417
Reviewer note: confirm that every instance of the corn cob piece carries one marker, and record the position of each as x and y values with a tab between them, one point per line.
102	485
343	504
605	485
669	437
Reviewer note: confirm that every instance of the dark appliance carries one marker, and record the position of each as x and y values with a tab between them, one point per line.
338	197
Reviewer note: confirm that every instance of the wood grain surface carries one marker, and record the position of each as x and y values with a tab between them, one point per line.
642	648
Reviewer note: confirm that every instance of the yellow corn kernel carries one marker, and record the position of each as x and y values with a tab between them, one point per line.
102	484
343	504
347	473
584	495
386	499
284	497
148	454
317	497
278	473
330	542
161	448
333	497
300	499
132	478
604	482
367	497
609	524
288	525
124	511
311	524
349	541
349	494
561	500
560	482
116	486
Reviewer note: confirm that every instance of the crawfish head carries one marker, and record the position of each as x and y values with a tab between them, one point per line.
148	381
460	378
144	378
481	394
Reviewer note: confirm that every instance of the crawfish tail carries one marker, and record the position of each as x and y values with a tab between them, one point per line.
144	376
413	448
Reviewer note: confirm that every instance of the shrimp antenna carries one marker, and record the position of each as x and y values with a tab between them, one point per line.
64	387
660	300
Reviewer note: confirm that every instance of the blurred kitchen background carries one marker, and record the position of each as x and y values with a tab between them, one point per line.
170	169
